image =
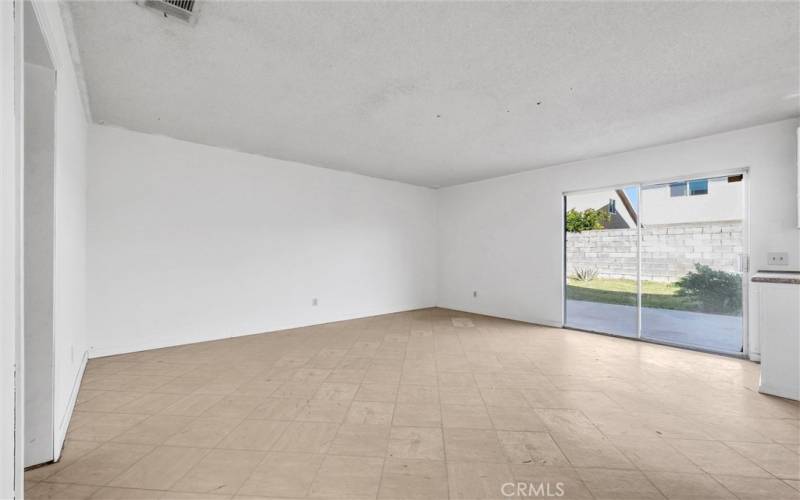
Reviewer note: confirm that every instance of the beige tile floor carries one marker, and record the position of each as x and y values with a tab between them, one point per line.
428	404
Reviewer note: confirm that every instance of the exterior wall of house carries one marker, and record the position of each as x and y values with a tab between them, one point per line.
724	201
668	251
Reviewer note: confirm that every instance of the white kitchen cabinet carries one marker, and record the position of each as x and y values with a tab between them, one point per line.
779	331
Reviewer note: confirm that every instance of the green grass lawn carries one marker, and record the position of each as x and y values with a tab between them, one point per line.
621	291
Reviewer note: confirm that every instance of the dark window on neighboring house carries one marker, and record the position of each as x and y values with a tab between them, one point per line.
697	187
612	206
677	189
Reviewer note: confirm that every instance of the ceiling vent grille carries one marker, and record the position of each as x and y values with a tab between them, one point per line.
184	10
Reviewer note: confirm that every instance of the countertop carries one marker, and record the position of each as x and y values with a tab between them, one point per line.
782	277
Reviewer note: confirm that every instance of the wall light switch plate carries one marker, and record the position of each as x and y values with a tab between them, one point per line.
778	259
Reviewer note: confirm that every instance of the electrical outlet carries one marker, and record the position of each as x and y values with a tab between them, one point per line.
778	259
314	301
474	293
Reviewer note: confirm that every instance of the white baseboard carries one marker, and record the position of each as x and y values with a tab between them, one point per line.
113	350
61	430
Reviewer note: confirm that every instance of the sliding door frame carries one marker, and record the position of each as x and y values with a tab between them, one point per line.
744	267
637	333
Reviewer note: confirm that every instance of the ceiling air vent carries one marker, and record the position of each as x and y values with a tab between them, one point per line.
184	10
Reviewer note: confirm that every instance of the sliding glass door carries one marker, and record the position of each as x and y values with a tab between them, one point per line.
602	261
692	248
662	262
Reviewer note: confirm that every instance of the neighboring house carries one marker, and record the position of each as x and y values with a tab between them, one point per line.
620	208
698	200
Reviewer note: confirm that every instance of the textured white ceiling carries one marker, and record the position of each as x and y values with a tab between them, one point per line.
437	94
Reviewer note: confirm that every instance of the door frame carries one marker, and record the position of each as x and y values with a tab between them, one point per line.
43	23
12	345
12	421
744	268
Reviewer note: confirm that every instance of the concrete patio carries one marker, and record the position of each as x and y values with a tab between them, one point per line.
708	331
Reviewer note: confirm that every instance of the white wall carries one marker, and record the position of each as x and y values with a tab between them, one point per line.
69	259
39	170
503	237
69	314
69	255
190	243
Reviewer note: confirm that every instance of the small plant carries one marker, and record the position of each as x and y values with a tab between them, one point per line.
587	220
585	273
713	291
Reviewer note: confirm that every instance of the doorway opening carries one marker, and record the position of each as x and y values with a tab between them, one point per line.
662	262
39	92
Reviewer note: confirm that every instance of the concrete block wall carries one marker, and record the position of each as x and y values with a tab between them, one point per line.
668	251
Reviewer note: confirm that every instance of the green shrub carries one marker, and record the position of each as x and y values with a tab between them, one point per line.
711	290
587	220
